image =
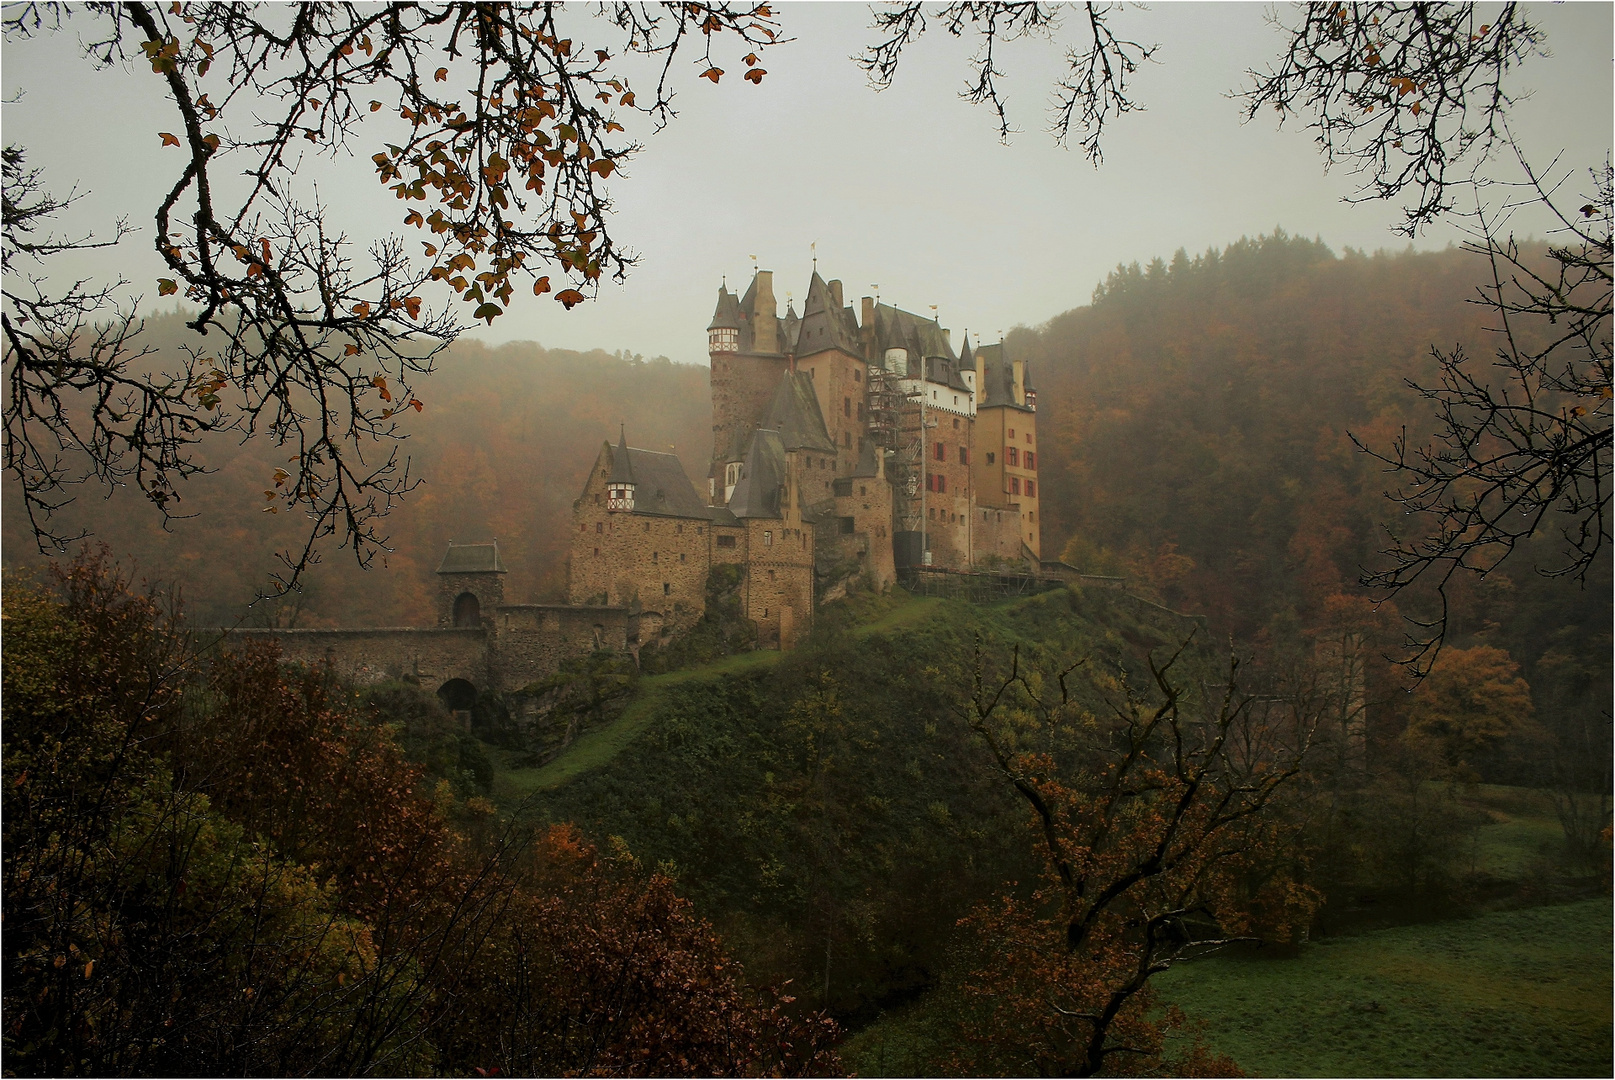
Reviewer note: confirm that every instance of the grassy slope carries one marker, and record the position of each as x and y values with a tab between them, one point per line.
595	749
1517	993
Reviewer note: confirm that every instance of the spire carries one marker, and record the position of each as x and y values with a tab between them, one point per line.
622	472
967	359
726	315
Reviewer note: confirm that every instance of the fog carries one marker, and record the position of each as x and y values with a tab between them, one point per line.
909	190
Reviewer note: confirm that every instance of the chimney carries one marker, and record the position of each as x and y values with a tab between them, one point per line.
835	294
765	330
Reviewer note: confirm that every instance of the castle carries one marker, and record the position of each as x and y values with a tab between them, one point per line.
843	449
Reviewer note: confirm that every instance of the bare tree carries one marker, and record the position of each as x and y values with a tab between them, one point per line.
1094	91
494	125
1523	447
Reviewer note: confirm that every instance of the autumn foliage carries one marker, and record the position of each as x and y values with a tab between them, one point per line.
1160	841
218	865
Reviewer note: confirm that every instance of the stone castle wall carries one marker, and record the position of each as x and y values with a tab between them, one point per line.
430	657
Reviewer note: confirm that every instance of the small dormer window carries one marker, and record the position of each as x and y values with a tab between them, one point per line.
723	339
620	497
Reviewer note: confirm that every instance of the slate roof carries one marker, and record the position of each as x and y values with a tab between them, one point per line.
726	316
762	479
826	324
899	329
794	413
622	470
661	487
472	559
998	378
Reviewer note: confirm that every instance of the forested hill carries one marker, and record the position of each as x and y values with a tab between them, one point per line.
1196	422
502	447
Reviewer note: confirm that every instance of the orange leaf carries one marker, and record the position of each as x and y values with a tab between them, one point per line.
361	309
712	73
352	350
755	75
166	286
168	140
571	298
541	286
442	75
416	404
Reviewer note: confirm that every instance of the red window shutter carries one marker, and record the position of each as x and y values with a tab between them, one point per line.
1014	485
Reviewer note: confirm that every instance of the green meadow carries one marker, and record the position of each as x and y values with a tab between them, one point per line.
1514	993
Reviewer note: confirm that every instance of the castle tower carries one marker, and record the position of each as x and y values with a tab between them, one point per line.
745	343
470	585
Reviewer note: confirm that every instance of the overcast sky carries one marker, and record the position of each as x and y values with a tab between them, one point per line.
910	188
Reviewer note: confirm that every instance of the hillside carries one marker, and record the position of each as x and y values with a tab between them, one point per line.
502	447
828	809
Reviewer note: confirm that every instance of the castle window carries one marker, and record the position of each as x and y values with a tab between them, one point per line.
647	526
860	410
857	376
681	556
1014	485
768	538
941	452
847	525
656	556
862	490
956	419
467	612
956	405
599	527
964	455
771	575
1028	436
1012	433
846	438
941	482
726	541
1012	456
667	588
1031	488
1031	460
846	406
723	339
678	530
991	457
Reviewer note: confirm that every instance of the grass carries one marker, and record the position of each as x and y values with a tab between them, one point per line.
1516	993
596	748
1524	835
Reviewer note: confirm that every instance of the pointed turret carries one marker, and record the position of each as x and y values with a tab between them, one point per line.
620	486
723	333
